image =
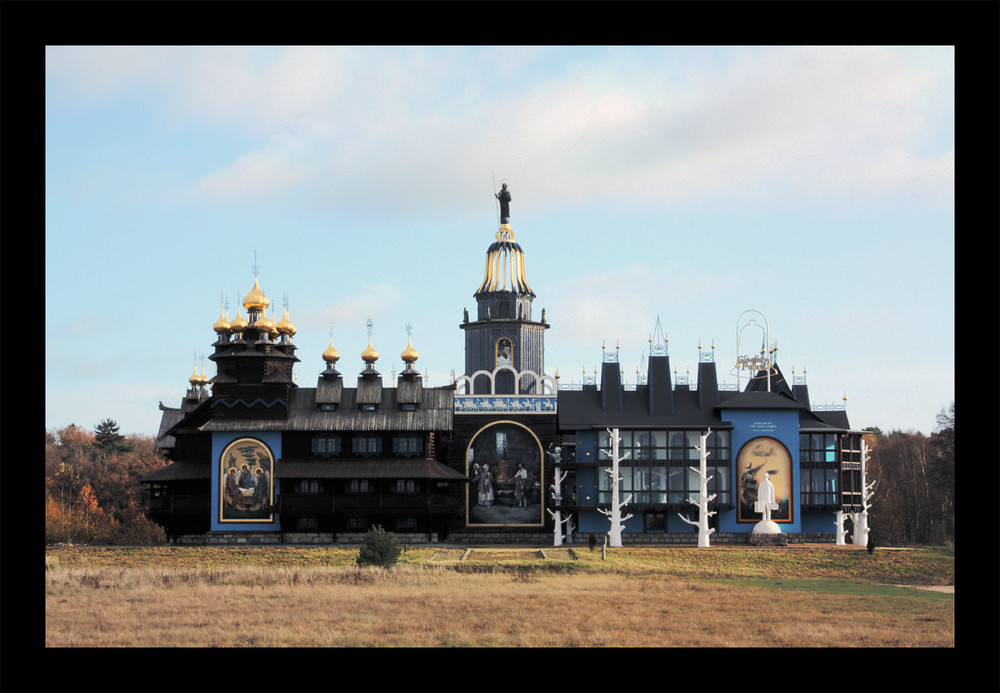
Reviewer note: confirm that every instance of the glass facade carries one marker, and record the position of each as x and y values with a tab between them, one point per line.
817	447
656	466
819	486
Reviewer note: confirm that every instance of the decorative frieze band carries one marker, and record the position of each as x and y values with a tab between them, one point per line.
522	404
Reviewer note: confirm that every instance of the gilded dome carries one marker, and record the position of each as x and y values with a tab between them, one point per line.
285	326
264	324
505	265
222	325
331	355
256	300
409	354
239	323
369	355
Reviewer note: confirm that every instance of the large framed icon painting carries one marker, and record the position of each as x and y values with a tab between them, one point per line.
760	456
246	493
504	463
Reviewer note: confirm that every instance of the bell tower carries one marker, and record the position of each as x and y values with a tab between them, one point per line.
504	335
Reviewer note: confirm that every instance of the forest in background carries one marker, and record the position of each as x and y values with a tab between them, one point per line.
93	486
914	500
94	491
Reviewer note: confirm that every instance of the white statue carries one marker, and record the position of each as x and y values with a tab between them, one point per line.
765	498
766	502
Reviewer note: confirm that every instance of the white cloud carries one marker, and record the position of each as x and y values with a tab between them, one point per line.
278	165
382	127
372	300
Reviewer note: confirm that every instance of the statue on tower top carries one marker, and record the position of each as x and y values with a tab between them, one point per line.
504	197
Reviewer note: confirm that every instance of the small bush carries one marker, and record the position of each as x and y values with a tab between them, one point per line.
381	548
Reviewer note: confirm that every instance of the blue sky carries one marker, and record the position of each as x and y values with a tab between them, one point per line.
689	184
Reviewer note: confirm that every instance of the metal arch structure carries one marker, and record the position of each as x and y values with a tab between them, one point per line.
755	364
464	384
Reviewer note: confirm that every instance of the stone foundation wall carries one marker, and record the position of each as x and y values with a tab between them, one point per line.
500	538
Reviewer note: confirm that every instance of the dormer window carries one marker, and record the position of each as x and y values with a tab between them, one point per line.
368	407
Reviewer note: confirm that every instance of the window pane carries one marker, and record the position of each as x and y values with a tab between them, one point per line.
604	479
675	484
694	481
721	478
658	482
626	482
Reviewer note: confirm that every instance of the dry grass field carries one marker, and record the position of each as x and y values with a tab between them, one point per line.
493	597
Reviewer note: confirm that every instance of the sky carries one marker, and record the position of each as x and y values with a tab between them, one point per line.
688	184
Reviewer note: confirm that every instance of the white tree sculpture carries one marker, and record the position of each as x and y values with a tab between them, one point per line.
839	523
615	514
557	530
557	519
703	498
860	519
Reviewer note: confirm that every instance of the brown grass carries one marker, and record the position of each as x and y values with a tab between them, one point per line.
520	603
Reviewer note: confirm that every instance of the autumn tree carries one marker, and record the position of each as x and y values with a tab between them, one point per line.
93	485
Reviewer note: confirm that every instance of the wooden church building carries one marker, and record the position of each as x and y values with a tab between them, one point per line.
501	454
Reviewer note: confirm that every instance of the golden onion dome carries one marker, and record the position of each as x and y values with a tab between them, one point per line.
285	326
239	323
272	326
203	379
409	354
331	355
256	300
264	324
369	355
222	325
195	379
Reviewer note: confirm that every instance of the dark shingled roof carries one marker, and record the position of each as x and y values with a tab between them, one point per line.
182	471
757	399
435	413
581	409
836	418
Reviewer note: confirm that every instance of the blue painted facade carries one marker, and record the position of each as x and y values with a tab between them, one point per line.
757	431
220	441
